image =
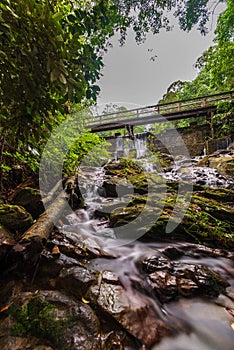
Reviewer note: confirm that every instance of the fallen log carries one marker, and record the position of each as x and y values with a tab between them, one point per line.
45	223
48	199
34	239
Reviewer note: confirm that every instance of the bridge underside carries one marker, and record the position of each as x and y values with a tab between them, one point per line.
157	118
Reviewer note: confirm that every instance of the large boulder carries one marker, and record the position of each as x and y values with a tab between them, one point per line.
15	218
208	219
30	199
170	279
134	311
224	165
59	321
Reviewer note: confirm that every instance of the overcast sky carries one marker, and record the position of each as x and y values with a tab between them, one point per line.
132	79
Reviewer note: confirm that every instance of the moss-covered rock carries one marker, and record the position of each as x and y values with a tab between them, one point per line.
15	218
222	195
63	322
123	167
208	218
205	221
224	165
30	199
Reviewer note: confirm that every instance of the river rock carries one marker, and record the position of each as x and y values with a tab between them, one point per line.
15	218
134	311
30	199
6	237
52	264
122	167
65	323
77	280
7	240
108	190
19	343
207	220
170	279
223	163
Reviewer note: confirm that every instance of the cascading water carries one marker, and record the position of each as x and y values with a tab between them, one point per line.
209	330
200	323
125	145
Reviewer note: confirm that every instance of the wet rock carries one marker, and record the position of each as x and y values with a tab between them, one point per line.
15	218
166	160
77	280
65	323
51	265
6	237
7	240
170	280
134	311
19	343
109	190
164	285
173	252
196	251
223	164
30	199
207	220
78	246
118	340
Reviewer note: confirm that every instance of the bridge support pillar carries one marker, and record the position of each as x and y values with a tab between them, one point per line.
212	125
130	131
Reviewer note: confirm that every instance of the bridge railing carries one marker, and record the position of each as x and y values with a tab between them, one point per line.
161	109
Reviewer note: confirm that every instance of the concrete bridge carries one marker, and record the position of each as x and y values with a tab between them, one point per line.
204	106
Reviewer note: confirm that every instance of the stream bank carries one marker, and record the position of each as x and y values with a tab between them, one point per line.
76	291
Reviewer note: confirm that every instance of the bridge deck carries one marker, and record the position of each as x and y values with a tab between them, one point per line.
193	108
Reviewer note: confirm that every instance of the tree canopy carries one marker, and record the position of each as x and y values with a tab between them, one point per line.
51	51
51	55
215	66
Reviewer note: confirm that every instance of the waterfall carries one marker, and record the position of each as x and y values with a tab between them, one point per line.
124	145
140	146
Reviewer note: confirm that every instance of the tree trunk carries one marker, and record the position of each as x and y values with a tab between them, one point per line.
33	240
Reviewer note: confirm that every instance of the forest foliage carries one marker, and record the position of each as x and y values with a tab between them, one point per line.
51	57
215	67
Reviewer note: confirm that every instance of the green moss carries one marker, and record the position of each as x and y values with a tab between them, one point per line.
30	199
214	208
207	220
123	167
219	194
39	318
15	217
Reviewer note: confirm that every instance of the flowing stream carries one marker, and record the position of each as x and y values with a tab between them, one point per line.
207	323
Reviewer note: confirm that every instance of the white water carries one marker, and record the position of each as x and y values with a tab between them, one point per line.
208	320
125	145
182	168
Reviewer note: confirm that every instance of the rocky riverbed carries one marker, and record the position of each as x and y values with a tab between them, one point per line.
78	290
